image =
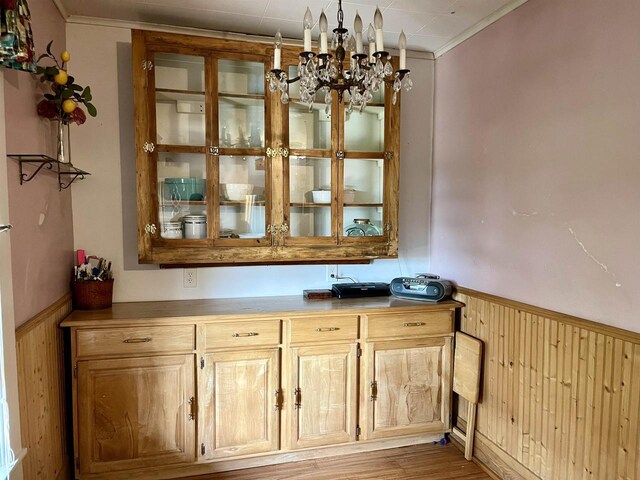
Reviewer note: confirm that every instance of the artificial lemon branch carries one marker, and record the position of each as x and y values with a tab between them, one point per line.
62	103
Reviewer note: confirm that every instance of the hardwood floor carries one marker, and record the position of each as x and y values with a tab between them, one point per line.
424	462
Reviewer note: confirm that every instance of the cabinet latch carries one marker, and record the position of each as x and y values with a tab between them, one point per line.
202	449
278	400
192	406
358	431
297	395
201	363
358	352
374	391
147	65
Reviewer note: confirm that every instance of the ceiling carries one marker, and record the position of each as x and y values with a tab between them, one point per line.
429	24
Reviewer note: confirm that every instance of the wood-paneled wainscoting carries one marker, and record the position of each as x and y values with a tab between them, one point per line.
560	395
41	385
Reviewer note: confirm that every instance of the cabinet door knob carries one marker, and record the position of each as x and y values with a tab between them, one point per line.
413	324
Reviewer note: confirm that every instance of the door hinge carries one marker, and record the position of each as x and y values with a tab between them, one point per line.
358	431
75	370
358	352
201	363
202	449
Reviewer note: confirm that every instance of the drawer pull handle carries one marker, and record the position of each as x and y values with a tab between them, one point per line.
137	340
374	391
248	334
192	408
414	324
327	329
297	396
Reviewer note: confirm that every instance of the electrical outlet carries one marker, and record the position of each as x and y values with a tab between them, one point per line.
190	278
332	274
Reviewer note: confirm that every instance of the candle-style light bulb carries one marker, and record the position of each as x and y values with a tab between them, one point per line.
402	45
377	21
277	51
324	25
371	37
308	25
357	28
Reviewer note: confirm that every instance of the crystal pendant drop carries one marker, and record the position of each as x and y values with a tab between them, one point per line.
388	69
408	83
272	85
327	97
284	98
394	99
379	67
397	85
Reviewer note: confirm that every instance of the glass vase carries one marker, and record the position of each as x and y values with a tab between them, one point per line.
63	154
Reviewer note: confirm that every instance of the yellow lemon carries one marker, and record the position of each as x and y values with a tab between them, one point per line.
69	105
65	56
61	77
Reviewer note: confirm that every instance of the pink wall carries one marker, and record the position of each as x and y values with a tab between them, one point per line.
42	237
536	186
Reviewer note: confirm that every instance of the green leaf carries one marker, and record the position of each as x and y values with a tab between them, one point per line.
76	87
70	80
67	93
44	55
49	47
91	109
39	70
48	96
51	70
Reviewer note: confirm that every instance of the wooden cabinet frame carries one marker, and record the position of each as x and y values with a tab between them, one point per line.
278	246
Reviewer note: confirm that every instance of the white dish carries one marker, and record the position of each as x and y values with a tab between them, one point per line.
236	192
251	235
321	196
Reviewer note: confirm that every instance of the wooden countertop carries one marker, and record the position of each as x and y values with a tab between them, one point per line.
162	312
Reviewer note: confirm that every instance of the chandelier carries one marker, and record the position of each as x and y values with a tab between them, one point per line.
324	72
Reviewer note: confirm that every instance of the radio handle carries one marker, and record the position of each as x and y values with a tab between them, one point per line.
430	276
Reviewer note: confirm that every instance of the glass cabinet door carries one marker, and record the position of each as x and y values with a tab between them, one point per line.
243	170
310	166
180	135
364	131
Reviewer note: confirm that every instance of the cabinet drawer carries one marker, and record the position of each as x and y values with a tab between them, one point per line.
135	340
325	328
243	334
409	324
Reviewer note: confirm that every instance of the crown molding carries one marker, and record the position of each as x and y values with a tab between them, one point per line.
63	11
481	25
157	27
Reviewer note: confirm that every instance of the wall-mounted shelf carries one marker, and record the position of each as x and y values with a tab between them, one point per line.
67	173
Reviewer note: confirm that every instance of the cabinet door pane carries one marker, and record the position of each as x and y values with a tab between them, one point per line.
241	104
308	129
363	197
180	99
242	197
310	194
364	131
135	413
182	191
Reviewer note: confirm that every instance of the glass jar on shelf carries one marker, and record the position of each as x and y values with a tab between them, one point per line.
361	227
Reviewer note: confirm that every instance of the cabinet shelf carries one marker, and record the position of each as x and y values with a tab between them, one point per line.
241	95
310	205
170	203
232	203
67	173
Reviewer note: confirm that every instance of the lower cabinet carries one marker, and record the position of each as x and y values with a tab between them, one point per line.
323	379
135	412
163	399
240	397
405	388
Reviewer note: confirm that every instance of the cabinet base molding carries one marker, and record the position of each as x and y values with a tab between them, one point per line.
180	471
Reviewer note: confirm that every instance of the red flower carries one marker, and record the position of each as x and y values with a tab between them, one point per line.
78	116
47	109
8	4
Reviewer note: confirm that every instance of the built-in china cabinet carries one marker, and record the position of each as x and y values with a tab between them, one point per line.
229	174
